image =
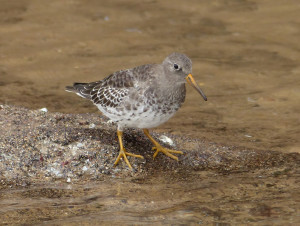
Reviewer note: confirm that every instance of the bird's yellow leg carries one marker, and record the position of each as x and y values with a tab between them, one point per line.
159	148
123	152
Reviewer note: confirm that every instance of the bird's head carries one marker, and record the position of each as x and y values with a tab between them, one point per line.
179	65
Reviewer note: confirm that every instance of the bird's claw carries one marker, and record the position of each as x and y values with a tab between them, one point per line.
166	151
123	153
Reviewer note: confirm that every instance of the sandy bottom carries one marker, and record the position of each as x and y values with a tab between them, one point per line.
246	58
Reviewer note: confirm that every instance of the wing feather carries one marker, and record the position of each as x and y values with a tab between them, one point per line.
111	91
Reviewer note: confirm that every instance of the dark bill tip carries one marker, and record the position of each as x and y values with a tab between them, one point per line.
193	83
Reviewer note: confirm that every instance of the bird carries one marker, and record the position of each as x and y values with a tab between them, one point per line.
142	97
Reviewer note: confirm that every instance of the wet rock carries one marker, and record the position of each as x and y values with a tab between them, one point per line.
35	146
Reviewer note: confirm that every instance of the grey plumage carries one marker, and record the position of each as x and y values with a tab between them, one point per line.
142	97
156	89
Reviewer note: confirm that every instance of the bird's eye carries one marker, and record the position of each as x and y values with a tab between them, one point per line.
176	67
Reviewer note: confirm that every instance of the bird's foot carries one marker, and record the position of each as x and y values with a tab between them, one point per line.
123	154
159	148
166	151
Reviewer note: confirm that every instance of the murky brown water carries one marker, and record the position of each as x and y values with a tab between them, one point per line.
260	197
245	55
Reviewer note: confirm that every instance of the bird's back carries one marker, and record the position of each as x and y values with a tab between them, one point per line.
134	97
114	87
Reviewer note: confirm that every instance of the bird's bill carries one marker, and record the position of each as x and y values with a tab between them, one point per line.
193	83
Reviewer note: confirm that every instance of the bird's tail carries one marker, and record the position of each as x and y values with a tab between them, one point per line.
81	89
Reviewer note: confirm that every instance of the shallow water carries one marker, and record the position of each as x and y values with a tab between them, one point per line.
203	198
245	56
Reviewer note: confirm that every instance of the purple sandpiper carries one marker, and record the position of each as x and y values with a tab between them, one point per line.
142	97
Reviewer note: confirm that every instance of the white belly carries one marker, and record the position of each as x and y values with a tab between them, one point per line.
137	118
